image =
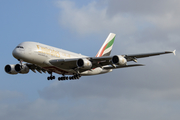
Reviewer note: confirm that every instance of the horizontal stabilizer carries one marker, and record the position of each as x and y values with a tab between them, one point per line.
133	65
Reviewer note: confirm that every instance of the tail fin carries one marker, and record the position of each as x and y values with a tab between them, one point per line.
106	48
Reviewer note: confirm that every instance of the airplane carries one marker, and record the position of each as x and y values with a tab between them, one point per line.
43	58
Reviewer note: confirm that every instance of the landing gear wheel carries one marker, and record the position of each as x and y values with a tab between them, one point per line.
74	77
50	77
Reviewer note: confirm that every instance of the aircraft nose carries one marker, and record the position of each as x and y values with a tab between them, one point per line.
15	53
18	53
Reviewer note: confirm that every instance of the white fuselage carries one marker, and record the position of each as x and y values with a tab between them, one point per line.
40	54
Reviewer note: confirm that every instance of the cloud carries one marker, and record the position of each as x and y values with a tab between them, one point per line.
90	108
130	20
89	19
162	13
38	109
143	7
140	26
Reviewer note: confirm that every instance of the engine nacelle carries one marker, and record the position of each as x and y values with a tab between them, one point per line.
119	60
21	69
84	63
10	69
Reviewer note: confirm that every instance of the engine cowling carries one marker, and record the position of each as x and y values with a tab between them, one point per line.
10	69
119	60
21	69
84	64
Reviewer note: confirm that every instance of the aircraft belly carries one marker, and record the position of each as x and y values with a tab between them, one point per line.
95	71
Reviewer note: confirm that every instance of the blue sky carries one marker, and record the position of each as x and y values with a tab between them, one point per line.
33	21
26	21
150	92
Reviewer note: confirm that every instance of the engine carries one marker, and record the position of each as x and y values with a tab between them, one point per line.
10	69
15	69
119	60
84	63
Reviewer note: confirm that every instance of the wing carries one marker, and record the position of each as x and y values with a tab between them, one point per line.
73	62
103	62
135	56
69	64
100	61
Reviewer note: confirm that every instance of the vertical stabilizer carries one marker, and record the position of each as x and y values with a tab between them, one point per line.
106	48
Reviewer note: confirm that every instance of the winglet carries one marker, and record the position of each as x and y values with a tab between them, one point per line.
174	52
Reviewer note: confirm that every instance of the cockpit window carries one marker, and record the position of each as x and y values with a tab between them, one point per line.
20	47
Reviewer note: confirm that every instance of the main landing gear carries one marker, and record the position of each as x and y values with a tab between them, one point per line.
51	77
74	77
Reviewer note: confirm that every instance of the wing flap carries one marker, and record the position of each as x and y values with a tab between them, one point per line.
133	65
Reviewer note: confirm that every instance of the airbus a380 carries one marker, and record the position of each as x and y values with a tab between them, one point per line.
44	58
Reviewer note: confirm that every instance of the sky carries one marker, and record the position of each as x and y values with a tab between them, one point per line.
151	92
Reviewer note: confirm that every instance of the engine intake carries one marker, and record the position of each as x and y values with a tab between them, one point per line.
84	64
119	60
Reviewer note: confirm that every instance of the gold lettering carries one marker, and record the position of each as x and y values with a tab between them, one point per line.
38	47
48	51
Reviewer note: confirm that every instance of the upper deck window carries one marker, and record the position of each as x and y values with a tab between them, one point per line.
20	47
